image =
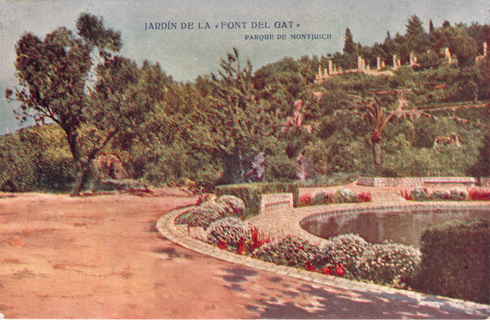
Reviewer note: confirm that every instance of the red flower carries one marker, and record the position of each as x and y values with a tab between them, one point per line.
328	270
241	248
339	270
309	266
222	245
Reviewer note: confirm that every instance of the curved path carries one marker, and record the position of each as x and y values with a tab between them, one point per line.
102	257
359	300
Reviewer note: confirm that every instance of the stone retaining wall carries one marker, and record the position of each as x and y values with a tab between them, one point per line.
276	201
416	182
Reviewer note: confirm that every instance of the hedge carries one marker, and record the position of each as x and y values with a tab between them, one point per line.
250	193
455	260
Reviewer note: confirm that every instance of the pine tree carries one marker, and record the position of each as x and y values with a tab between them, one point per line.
415	37
350	47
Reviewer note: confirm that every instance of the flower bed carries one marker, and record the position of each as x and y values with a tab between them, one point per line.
347	256
455	194
341	195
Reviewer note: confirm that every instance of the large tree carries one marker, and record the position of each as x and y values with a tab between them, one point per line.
350	50
56	82
238	124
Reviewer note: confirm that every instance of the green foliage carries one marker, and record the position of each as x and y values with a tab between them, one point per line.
458	194
280	168
388	263
438	195
251	193
415	37
36	159
232	205
419	194
320	197
344	196
346	248
202	215
289	251
229	230
53	78
455	260
208	132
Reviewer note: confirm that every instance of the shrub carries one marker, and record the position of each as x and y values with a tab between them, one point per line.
202	215
228	230
438	195
232	205
251	193
257	239
183	218
388	263
455	260
305	199
479	194
320	196
364	197
458	194
405	194
203	198
346	248
419	194
344	196
289	251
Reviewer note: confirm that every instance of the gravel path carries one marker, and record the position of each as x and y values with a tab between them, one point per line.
102	257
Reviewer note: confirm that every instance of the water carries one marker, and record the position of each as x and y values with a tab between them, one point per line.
404	228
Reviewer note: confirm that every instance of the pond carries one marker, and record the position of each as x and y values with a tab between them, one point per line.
376	227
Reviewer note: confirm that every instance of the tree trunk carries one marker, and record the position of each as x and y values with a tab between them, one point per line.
83	167
232	169
377	154
83	170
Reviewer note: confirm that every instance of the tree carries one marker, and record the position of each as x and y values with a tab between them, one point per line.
238	124
350	49
377	118
349	45
56	83
459	42
415	37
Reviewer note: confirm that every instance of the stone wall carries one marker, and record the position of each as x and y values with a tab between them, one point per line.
416	182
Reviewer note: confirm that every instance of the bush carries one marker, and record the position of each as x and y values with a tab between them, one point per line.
344	196
305	199
36	158
320	197
364	197
479	194
251	193
458	194
419	194
346	249
184	217
438	195
388	263
405	194
455	260
232	205
202	215
228	230
289	251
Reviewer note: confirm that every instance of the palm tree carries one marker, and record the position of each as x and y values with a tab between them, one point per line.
377	118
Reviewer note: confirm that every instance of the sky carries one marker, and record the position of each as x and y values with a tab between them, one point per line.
218	26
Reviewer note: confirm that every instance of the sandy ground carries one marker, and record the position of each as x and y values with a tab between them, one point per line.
101	257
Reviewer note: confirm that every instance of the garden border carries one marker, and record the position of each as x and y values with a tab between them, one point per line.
291	220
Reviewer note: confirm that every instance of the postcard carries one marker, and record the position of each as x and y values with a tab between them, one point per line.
244	159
